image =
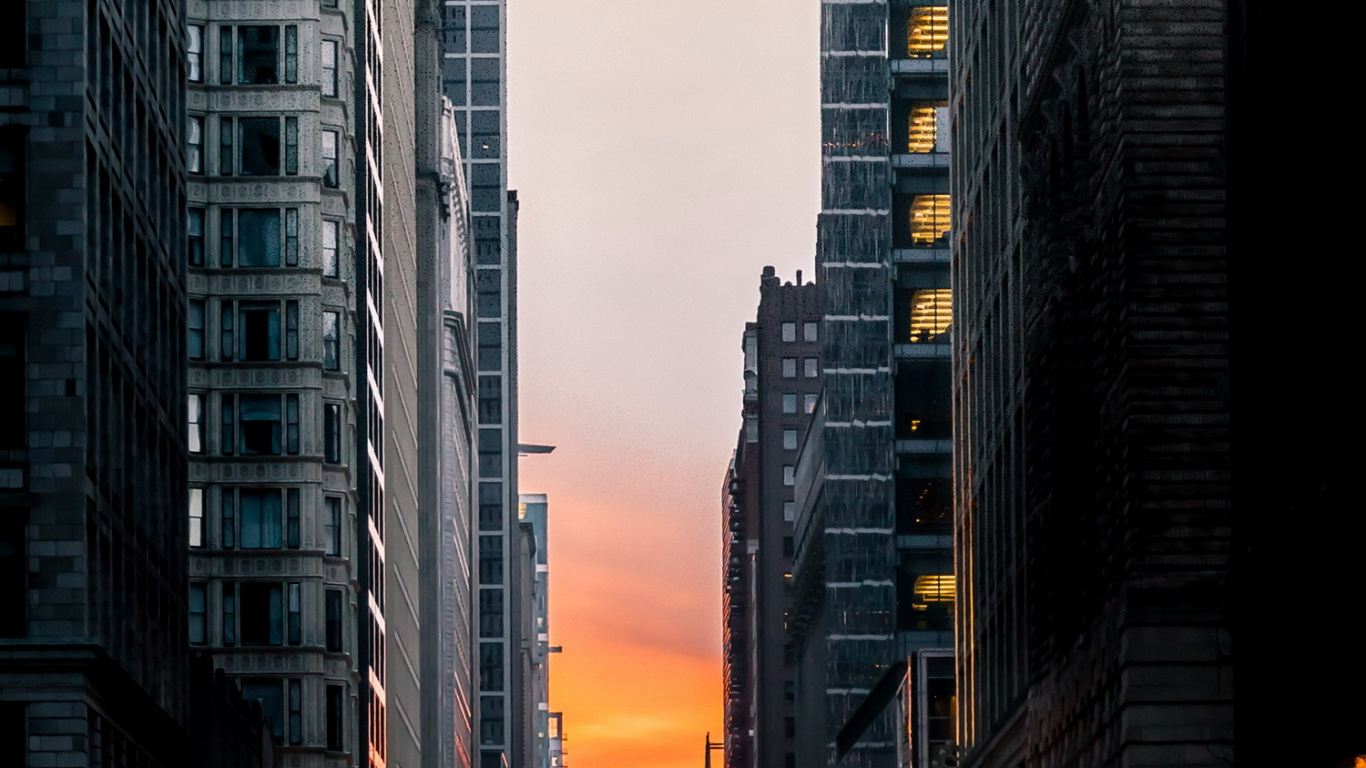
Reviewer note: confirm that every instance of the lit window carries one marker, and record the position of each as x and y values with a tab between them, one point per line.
196	517
196	418
330	232
194	144
929	220
789	331
330	175
809	331
938	588
789	439
194	52
931	314
789	403
927	32
789	367
928	130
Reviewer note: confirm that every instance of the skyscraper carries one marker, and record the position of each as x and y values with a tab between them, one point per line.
873	598
473	79
782	385
1091	375
93	616
277	240
534	514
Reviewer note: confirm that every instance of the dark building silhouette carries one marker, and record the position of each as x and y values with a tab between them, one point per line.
1148	449
782	387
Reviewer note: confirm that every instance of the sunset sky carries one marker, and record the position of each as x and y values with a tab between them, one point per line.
664	153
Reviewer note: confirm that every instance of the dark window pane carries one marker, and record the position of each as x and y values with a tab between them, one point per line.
270	692
260	416
13	574
260	333
259	237
491	666
263	620
259	138
259	55
490	559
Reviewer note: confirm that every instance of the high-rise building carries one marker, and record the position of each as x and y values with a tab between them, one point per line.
474	73
1092	379
874	588
94	659
782	386
446	443
282	225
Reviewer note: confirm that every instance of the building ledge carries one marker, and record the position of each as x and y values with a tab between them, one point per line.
920	255
921	160
924	446
920	66
919	351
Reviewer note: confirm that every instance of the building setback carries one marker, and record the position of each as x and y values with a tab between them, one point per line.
782	387
473	78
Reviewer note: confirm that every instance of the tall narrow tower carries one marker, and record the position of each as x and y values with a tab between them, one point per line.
474	75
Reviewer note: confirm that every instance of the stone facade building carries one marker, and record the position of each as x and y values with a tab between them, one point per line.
277	234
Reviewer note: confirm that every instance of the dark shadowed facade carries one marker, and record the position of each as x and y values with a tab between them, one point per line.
782	387
93	648
1125	479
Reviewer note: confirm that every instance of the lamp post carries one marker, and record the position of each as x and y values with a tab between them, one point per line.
711	746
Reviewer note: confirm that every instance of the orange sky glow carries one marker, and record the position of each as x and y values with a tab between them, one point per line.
664	152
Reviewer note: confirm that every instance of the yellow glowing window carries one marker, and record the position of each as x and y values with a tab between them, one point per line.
927	31
925	133
931	314
929	219
934	589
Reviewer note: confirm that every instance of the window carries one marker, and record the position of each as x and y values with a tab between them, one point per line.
809	331
291	54
789	367
194	230
485	76
194	144
258	140
292	424
262	617
259	512
788	546
491	719
196	517
927	32
260	330
225	55
490	452
229	614
13	574
225	151
490	613
331	341
332	529
491	666
294	613
809	402
226	345
330	174
490	399
811	368
927	127
929	219
329	73
333	611
490	560
789	403
228	517
790	727
789	439
270	692
259	61
260	424
258	236
789	511
931	315
330	234
194	53
490	506
198	613
195	408
291	330
789	477
789	332
484	37
296	712
291	146
194	330
292	518
12	193
336	705
332	433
